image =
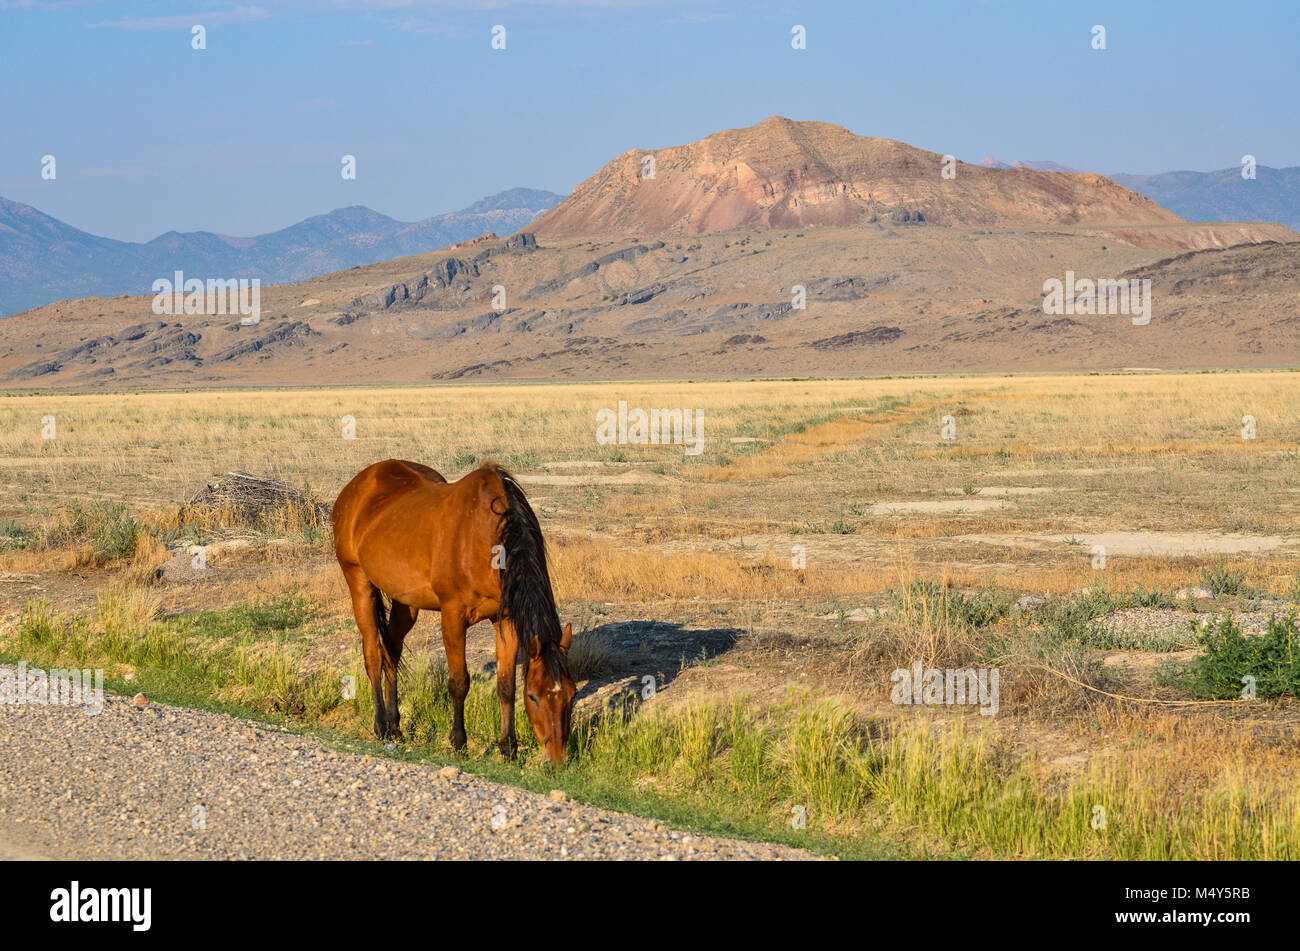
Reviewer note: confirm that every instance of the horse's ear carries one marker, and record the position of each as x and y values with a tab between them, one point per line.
566	639
534	647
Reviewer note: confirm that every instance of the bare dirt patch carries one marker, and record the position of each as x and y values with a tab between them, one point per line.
1142	543
938	506
623	478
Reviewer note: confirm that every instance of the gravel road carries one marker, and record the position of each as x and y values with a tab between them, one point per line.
162	782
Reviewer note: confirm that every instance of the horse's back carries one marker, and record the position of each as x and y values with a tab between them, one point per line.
373	489
386	478
419	538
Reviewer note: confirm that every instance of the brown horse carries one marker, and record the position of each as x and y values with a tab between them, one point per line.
473	550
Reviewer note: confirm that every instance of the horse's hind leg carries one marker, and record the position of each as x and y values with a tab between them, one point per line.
400	622
372	648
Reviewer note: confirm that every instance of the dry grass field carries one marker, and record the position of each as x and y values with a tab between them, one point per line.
768	587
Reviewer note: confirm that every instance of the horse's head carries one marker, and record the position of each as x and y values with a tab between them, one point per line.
548	694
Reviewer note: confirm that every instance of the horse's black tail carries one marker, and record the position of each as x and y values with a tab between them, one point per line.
526	596
383	611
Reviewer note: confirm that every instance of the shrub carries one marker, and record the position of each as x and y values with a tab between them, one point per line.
1222	581
1273	659
105	531
1152	598
974	612
14	535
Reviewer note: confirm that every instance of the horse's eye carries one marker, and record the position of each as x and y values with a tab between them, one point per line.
532	698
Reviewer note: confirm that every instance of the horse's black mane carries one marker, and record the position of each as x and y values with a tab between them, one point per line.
526	596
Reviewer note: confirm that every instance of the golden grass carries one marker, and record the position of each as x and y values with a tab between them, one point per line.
718	533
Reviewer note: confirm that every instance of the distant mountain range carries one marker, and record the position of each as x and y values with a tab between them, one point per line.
778	174
1272	195
782	249
43	259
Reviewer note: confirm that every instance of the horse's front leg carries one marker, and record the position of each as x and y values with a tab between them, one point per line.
453	642
507	651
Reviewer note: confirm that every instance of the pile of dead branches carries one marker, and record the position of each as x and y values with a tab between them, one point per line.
241	498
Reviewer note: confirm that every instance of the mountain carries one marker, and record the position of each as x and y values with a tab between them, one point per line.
43	259
990	162
1273	195
783	174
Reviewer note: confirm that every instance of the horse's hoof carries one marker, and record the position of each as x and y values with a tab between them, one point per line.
458	741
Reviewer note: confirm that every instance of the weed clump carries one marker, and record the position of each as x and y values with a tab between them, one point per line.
1231	662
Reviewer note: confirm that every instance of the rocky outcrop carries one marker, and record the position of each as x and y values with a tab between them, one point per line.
856	338
150	344
444	274
290	332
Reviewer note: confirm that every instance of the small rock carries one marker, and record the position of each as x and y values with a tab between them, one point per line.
449	772
139	700
558	795
1028	602
1194	593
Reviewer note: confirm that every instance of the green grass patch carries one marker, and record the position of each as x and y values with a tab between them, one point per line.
808	772
283	616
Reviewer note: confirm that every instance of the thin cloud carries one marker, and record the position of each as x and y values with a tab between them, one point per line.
45	4
420	26
185	21
396	5
103	171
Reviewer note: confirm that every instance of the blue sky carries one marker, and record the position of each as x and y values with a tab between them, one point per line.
246	136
